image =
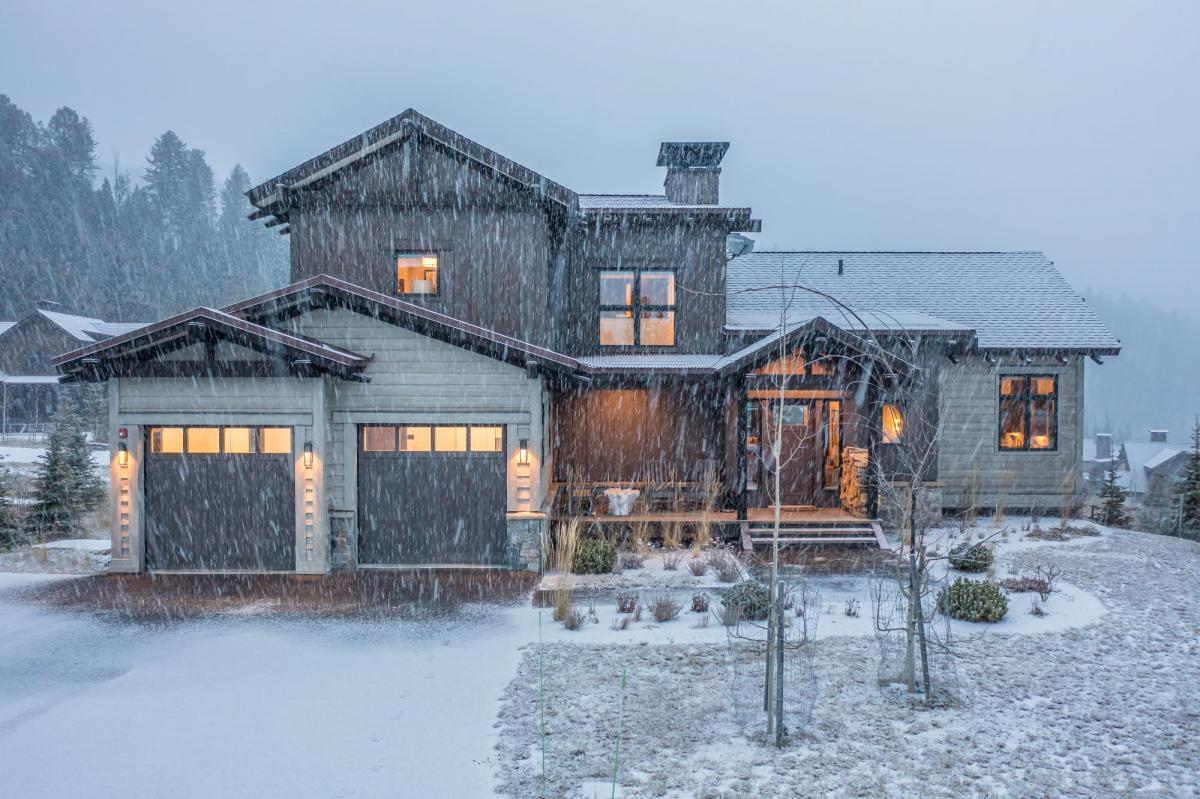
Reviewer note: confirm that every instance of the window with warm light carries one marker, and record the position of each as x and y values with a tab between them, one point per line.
203	440
637	308
450	439
416	439
891	422
379	439
1028	412
166	440
238	440
275	440
487	439
417	273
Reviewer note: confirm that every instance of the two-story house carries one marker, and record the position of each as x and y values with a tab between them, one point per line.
466	345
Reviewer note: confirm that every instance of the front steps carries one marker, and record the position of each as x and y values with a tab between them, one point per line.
814	532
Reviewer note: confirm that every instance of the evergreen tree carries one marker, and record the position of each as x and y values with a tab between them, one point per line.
10	531
1113	512
1189	489
55	510
87	487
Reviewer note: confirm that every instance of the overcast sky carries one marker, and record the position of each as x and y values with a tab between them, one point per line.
1072	128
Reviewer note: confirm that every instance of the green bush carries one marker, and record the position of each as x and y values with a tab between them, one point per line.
971	558
594	556
969	600
746	600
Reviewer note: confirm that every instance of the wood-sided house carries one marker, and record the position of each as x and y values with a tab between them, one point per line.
469	349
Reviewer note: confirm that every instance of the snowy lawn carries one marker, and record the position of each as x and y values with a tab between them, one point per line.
1101	701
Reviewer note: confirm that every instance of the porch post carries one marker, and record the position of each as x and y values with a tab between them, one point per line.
873	472
743	424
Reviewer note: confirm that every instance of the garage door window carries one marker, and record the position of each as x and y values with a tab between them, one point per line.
432	438
217	440
487	439
416	439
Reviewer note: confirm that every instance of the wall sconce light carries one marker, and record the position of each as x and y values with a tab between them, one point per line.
308	455
523	451
122	454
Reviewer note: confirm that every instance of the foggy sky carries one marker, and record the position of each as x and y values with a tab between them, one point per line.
1071	128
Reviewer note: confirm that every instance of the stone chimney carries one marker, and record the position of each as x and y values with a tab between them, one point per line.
1103	446
693	170
1158	436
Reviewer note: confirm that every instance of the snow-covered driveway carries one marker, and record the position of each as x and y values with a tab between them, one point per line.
250	707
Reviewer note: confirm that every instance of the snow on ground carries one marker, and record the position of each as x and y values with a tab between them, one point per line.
249	707
652	574
80	544
18	457
1106	707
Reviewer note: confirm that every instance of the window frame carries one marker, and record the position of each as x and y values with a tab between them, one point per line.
896	408
1026	398
255	440
418	252
636	306
433	450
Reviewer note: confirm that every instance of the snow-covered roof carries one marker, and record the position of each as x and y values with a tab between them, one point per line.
27	379
1012	300
75	326
1143	457
608	202
106	329
655	362
4	326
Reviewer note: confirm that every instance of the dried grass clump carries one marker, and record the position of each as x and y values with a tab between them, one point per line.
725	566
664	608
562	559
574	619
671	559
620	623
1041	582
672	535
629	561
700	602
698	567
627	602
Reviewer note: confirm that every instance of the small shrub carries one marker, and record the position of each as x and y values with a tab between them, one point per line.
626	602
630	560
852	608
594	556
574	619
724	566
664	608
620	623
968	600
746	600
700	602
1035	609
701	622
971	557
671	559
698	566
1041	582
637	613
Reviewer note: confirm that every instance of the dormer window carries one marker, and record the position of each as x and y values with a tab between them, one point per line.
637	308
417	273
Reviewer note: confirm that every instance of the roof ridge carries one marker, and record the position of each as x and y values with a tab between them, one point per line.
895	252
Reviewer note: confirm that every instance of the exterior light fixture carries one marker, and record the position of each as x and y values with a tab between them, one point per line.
308	455
122	454
523	451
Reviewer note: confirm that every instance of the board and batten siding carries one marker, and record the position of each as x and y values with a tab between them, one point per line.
972	468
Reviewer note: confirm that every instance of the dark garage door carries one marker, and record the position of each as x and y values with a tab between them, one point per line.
220	498
433	494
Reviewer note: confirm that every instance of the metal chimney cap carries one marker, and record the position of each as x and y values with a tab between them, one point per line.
692	153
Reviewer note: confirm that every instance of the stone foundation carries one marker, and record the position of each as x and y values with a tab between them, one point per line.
929	506
525	536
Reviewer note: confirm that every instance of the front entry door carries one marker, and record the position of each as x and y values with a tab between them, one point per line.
800	454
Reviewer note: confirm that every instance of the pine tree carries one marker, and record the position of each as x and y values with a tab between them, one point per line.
1189	489
1113	496
55	510
87	487
11	534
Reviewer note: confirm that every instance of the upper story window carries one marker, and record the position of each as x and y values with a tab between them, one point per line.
1028	412
417	272
637	308
891	423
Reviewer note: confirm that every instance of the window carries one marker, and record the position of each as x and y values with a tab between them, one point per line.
203	440
417	272
637	308
487	439
1028	412
166	440
450	439
833	444
379	439
218	440
892	423
275	440
416	439
239	440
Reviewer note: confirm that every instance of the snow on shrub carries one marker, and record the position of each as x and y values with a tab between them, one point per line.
594	556
968	600
971	557
747	600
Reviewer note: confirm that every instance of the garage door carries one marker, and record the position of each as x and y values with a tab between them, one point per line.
431	494
220	498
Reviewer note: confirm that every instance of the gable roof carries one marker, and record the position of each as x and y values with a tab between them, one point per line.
85	329
268	198
437	325
1011	300
87	363
5	326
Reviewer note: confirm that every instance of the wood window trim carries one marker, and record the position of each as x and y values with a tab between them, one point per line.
255	432
637	307
1026	398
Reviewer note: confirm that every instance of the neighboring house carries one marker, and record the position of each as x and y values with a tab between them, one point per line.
1152	465
29	390
469	349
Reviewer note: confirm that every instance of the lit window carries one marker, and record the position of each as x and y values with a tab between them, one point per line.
892	423
379	439
450	439
487	439
275	440
417	273
833	443
166	440
203	440
616	328
637	308
238	440
1028	412
416	439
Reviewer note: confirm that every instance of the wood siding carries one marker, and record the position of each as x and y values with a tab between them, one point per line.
214	395
970	461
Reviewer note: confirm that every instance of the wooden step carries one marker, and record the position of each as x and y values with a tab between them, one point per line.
825	539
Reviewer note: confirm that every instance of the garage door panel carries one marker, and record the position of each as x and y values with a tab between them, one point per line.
432	508
220	512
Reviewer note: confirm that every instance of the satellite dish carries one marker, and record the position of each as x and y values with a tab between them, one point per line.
736	244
